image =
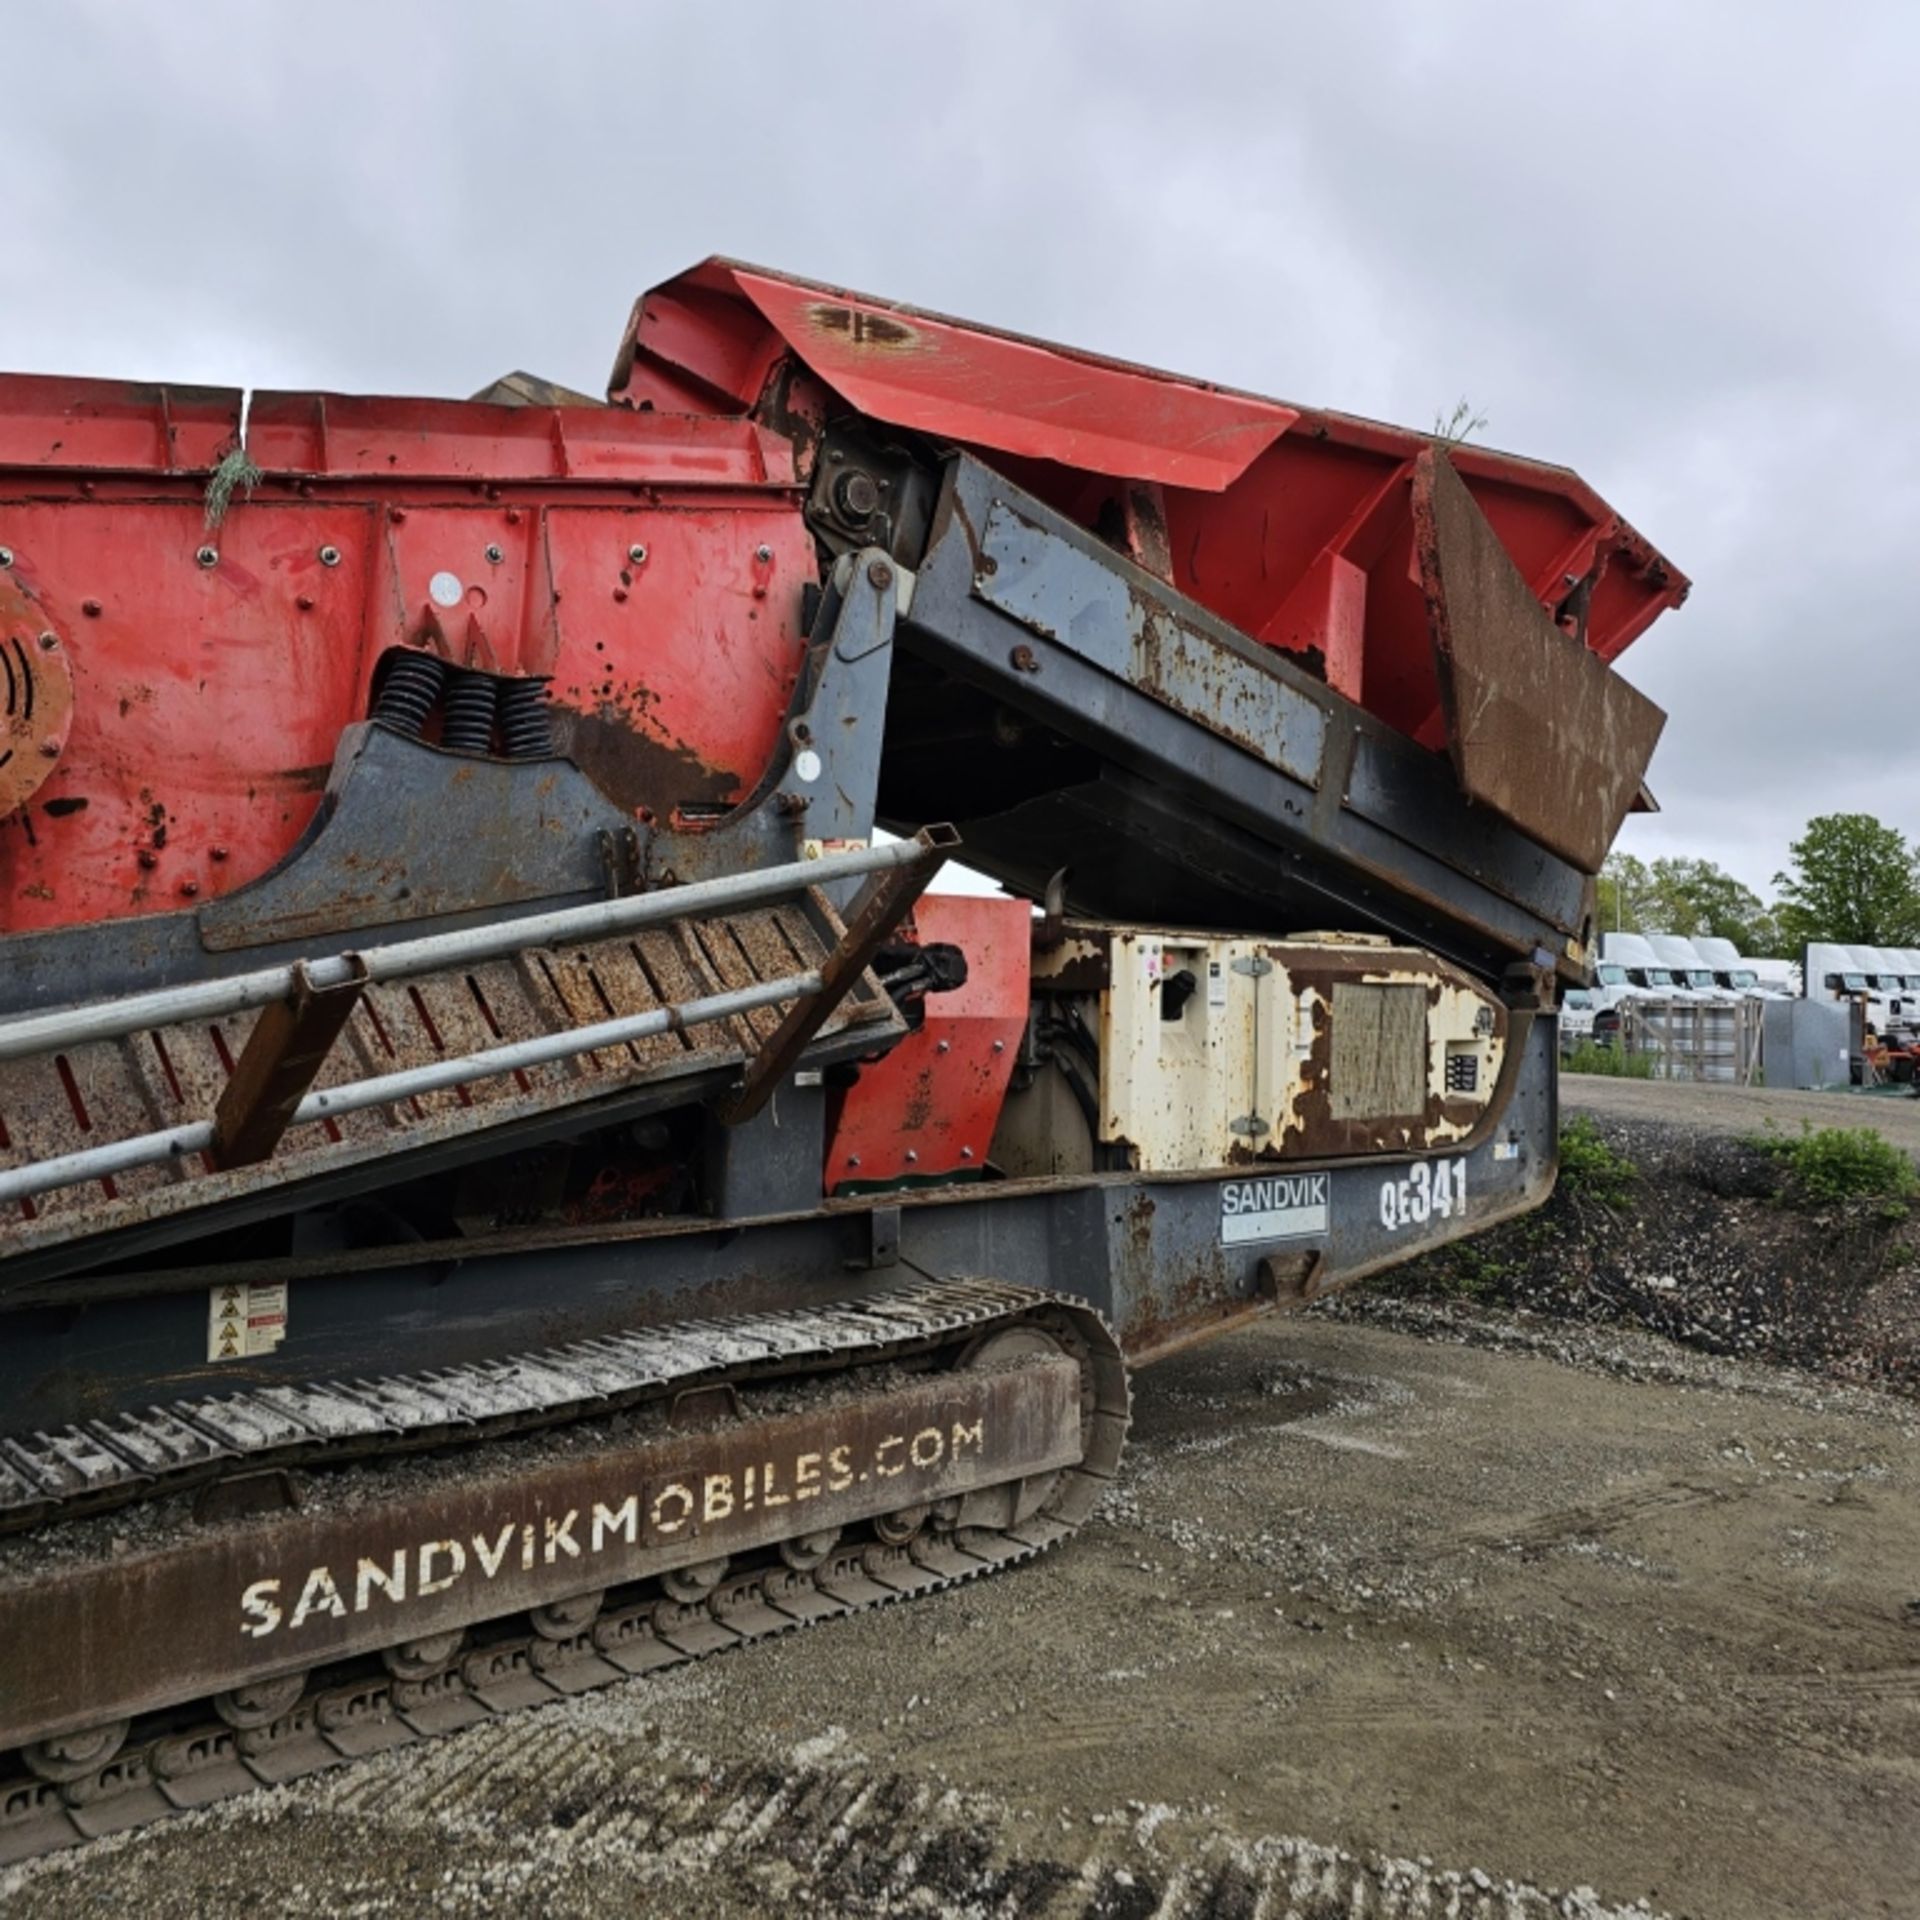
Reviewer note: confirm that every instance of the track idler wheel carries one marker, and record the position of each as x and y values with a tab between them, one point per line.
809	1550
567	1619
72	1756
261	1703
422	1659
1001	1507
897	1529
691	1585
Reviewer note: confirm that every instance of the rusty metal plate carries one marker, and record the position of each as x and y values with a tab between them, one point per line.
91	1639
1540	729
36	695
1143	633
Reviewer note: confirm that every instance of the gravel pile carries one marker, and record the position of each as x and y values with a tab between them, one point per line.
1699	1248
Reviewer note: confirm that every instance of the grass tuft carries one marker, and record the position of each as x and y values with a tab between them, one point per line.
1592	1169
1589	1057
1459	426
236	473
1827	1167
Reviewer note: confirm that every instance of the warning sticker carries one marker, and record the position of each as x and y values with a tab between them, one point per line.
244	1320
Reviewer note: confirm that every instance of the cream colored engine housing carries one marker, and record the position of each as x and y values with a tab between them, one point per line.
1317	1047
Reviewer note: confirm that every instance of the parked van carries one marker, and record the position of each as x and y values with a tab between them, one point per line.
1578	1006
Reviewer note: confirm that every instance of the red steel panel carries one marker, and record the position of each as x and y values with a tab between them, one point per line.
929	1108
949	378
676	670
49	421
206	701
343	434
209	695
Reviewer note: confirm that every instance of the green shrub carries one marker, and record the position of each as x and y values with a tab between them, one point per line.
1591	1168
1465	1271
1834	1166
1587	1057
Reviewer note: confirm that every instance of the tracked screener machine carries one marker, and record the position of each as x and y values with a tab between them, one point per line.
508	1176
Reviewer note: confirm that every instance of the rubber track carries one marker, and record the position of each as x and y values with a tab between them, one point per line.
101	1464
199	1762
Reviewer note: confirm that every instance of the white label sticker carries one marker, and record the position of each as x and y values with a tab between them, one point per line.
1216	984
244	1320
1285	1206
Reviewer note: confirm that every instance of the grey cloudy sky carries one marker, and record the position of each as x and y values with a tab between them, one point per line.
1672	245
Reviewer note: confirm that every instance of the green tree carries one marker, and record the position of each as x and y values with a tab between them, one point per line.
1699	897
1852	880
1684	896
1623	894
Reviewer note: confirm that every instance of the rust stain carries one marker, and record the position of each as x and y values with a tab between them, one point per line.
1202	1302
1140	1212
302	779
635	768
1315	1131
862	329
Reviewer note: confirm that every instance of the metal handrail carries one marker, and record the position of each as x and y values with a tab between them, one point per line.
242	993
150	1149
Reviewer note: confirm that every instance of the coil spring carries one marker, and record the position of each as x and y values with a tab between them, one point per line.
526	724
408	690
466	724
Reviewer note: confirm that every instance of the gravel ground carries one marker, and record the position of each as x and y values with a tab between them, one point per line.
1475	1615
1735	1110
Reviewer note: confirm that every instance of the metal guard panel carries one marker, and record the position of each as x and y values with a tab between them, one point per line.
1540	729
958	380
1088	603
1408	854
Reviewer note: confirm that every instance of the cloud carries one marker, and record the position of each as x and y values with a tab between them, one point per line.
1673	247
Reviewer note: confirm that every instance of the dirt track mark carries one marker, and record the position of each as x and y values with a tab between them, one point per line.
1594	1520
817	1828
